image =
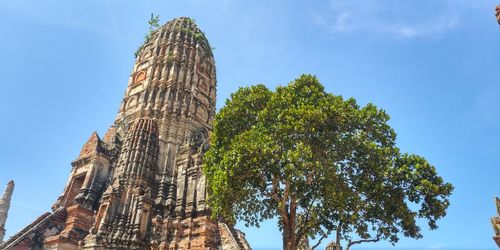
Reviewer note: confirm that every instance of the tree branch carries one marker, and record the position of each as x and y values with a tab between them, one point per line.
293	221
319	241
276	196
378	238
301	232
338	233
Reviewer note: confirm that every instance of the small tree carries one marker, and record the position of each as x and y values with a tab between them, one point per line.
154	23
321	164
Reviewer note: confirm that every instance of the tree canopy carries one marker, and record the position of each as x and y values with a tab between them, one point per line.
319	163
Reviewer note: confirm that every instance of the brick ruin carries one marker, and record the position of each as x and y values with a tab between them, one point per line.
498	14
4	207
495	223
141	186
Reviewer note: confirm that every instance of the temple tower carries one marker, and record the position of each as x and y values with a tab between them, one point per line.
498	14
125	212
495	223
173	82
157	197
4	207
141	186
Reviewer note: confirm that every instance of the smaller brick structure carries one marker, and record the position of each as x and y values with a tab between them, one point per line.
498	14
495	222
4	207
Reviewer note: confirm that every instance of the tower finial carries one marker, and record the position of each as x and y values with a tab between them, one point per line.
4	207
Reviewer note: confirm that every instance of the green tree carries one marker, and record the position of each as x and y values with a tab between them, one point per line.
154	23
321	164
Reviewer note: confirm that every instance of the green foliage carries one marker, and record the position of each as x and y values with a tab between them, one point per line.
319	163
154	23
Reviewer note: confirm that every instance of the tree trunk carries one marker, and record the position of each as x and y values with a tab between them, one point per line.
289	230
289	239
288	212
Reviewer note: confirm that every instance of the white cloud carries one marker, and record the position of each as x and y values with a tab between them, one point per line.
339	25
398	19
405	31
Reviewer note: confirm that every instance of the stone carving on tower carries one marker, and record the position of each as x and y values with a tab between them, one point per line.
141	186
4	207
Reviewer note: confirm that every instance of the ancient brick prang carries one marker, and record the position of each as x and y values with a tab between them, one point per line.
4	207
124	215
498	14
142	185
495	223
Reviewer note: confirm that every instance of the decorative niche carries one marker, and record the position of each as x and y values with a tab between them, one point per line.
139	76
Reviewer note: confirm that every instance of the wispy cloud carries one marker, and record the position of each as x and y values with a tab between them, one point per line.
338	25
398	19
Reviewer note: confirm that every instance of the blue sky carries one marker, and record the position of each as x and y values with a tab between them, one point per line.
433	65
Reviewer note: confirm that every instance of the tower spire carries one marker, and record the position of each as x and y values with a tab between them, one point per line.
498	14
4	207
